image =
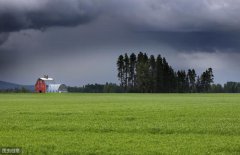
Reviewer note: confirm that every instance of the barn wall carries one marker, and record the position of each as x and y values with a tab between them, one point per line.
40	86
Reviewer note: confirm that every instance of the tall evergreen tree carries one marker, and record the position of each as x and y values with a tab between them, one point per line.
210	76
132	70
207	79
152	72
142	73
182	82
139	72
172	80
120	67
192	80
126	69
159	74
199	87
166	77
146	74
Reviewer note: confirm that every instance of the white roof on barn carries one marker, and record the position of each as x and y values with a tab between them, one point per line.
47	79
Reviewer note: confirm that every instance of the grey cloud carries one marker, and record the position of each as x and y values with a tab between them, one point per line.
8	59
184	15
3	37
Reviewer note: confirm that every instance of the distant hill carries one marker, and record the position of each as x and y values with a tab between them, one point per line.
7	85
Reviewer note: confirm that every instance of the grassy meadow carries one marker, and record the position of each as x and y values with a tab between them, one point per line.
121	123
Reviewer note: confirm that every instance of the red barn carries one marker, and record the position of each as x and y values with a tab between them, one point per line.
47	85
40	86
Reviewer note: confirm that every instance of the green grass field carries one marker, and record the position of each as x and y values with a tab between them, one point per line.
121	123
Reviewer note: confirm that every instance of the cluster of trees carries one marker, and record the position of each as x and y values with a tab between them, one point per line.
15	90
229	87
97	88
141	73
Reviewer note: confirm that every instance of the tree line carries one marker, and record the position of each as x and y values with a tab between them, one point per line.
229	87
97	88
15	90
149	74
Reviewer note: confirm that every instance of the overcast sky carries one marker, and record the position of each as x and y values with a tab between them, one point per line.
78	41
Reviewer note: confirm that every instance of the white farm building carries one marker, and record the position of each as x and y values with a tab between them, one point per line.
57	88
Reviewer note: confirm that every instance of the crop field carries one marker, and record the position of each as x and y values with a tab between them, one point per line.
121	123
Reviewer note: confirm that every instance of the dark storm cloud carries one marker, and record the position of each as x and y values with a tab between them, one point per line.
198	41
19	15
158	15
